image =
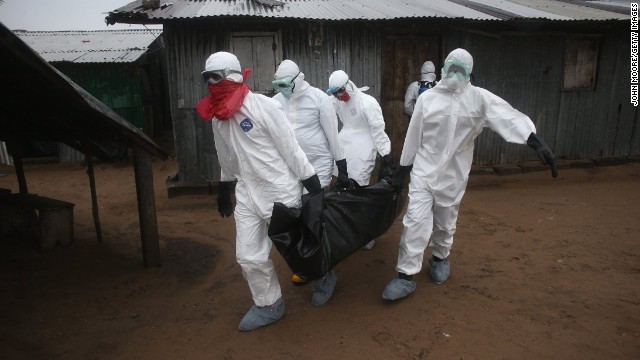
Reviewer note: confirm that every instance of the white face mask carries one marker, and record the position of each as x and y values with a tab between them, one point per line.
453	83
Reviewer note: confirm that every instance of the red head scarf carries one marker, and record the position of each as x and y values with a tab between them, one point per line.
225	99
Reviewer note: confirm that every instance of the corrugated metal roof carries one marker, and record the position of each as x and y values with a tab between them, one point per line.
68	115
135	12
579	10
102	46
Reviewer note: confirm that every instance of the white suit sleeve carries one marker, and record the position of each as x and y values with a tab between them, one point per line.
285	141
410	98
227	169
373	113
335	104
512	125
329	123
413	139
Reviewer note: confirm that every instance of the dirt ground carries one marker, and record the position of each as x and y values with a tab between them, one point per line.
542	268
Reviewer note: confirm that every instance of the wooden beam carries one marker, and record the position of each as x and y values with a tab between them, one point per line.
146	207
15	148
94	197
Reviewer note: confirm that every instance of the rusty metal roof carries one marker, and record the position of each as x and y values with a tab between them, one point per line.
101	46
165	11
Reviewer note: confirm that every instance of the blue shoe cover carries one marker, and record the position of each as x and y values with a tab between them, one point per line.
439	270
399	288
259	316
323	289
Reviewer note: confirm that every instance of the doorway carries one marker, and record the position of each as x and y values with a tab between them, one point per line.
402	58
261	52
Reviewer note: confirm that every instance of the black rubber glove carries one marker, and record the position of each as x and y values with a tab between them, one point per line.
398	177
312	185
225	206
544	152
385	168
343	175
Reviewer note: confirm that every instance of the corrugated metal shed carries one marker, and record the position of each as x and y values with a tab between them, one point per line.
64	112
135	12
41	103
102	46
520	45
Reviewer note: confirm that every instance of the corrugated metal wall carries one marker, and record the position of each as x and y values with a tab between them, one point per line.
116	85
68	154
526	70
188	47
523	71
354	48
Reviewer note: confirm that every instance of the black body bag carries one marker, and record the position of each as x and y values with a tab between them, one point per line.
332	225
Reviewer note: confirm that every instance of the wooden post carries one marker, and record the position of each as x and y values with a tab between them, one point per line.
94	197
146	207
15	148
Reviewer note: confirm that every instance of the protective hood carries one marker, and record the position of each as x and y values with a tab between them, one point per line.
286	68
227	95
428	72
457	69
224	60
288	78
339	79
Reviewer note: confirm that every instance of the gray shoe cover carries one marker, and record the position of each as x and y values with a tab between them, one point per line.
439	270
323	289
259	316
399	288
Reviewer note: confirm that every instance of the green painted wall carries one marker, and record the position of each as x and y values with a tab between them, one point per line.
116	85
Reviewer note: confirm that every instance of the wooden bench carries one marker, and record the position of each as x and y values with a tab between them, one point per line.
54	218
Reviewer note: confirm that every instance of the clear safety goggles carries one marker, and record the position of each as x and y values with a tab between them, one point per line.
456	68
215	76
284	84
337	92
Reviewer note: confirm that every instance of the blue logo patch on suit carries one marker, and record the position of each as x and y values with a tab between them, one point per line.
246	125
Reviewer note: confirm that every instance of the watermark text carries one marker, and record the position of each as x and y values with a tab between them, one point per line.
634	54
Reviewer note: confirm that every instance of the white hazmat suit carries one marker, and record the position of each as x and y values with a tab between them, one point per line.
313	119
439	144
257	147
428	74
362	134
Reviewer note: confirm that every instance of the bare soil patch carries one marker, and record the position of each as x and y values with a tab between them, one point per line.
542	268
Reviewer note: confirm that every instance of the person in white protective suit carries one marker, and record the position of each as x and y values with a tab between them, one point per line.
426	82
362	135
315	124
438	151
314	121
256	147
